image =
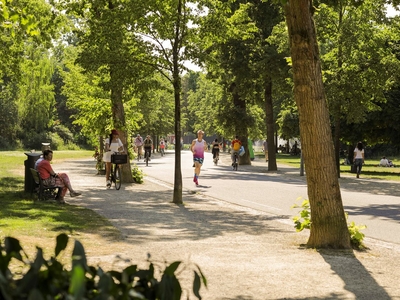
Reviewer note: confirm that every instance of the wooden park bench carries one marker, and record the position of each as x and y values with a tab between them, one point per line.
44	192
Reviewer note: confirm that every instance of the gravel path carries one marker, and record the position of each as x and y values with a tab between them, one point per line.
244	253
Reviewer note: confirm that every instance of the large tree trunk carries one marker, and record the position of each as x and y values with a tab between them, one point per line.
269	119
118	115
329	226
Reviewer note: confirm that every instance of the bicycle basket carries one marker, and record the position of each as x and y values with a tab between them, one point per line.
119	158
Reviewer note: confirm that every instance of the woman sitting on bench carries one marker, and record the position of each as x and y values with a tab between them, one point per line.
50	178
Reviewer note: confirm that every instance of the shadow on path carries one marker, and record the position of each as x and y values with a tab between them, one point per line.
357	279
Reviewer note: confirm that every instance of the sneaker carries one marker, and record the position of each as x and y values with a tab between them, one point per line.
194	178
75	194
196	181
108	183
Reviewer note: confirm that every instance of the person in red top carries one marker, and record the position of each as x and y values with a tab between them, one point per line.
50	178
235	145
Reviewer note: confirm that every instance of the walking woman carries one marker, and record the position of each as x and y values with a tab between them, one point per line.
359	158
113	144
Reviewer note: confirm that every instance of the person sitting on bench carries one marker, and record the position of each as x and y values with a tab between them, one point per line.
50	178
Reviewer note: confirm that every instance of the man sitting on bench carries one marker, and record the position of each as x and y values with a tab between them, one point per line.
50	178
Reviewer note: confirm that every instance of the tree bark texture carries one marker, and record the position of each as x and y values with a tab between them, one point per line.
269	119
329	224
178	185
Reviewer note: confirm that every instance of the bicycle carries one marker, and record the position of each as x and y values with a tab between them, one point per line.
115	176
146	157
162	152
139	154
216	158
235	161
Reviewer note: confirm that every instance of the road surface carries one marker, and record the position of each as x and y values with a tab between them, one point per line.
373	203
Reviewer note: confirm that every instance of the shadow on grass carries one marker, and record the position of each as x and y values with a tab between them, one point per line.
17	204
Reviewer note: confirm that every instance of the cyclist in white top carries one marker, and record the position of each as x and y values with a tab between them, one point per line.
139	145
112	144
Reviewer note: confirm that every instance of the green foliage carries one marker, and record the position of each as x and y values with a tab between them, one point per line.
288	121
137	174
50	279
303	221
356	236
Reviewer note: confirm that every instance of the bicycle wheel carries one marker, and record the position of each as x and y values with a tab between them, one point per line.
235	165
117	177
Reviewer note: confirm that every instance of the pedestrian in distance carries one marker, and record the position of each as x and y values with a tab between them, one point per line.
359	158
384	162
265	149
198	147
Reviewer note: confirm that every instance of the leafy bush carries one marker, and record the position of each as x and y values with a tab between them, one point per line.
356	236
49	279
303	221
34	140
137	174
64	133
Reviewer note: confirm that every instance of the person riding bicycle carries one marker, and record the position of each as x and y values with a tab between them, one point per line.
162	145
236	144
215	149
112	144
148	145
139	144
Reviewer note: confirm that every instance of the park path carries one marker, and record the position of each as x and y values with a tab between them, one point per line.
243	252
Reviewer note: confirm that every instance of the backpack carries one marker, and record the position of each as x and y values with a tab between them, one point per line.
236	146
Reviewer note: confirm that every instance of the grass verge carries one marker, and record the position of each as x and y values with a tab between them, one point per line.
38	222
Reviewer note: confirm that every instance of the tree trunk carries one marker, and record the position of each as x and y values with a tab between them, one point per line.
177	197
118	114
269	119
329	224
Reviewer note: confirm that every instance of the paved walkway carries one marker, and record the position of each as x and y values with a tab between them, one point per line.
244	253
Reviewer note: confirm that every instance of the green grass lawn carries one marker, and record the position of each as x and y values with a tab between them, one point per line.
370	168
20	216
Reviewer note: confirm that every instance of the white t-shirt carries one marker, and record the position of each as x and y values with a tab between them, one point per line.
384	162
113	147
359	154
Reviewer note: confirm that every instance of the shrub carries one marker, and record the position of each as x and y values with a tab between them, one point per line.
49	279
137	174
303	221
